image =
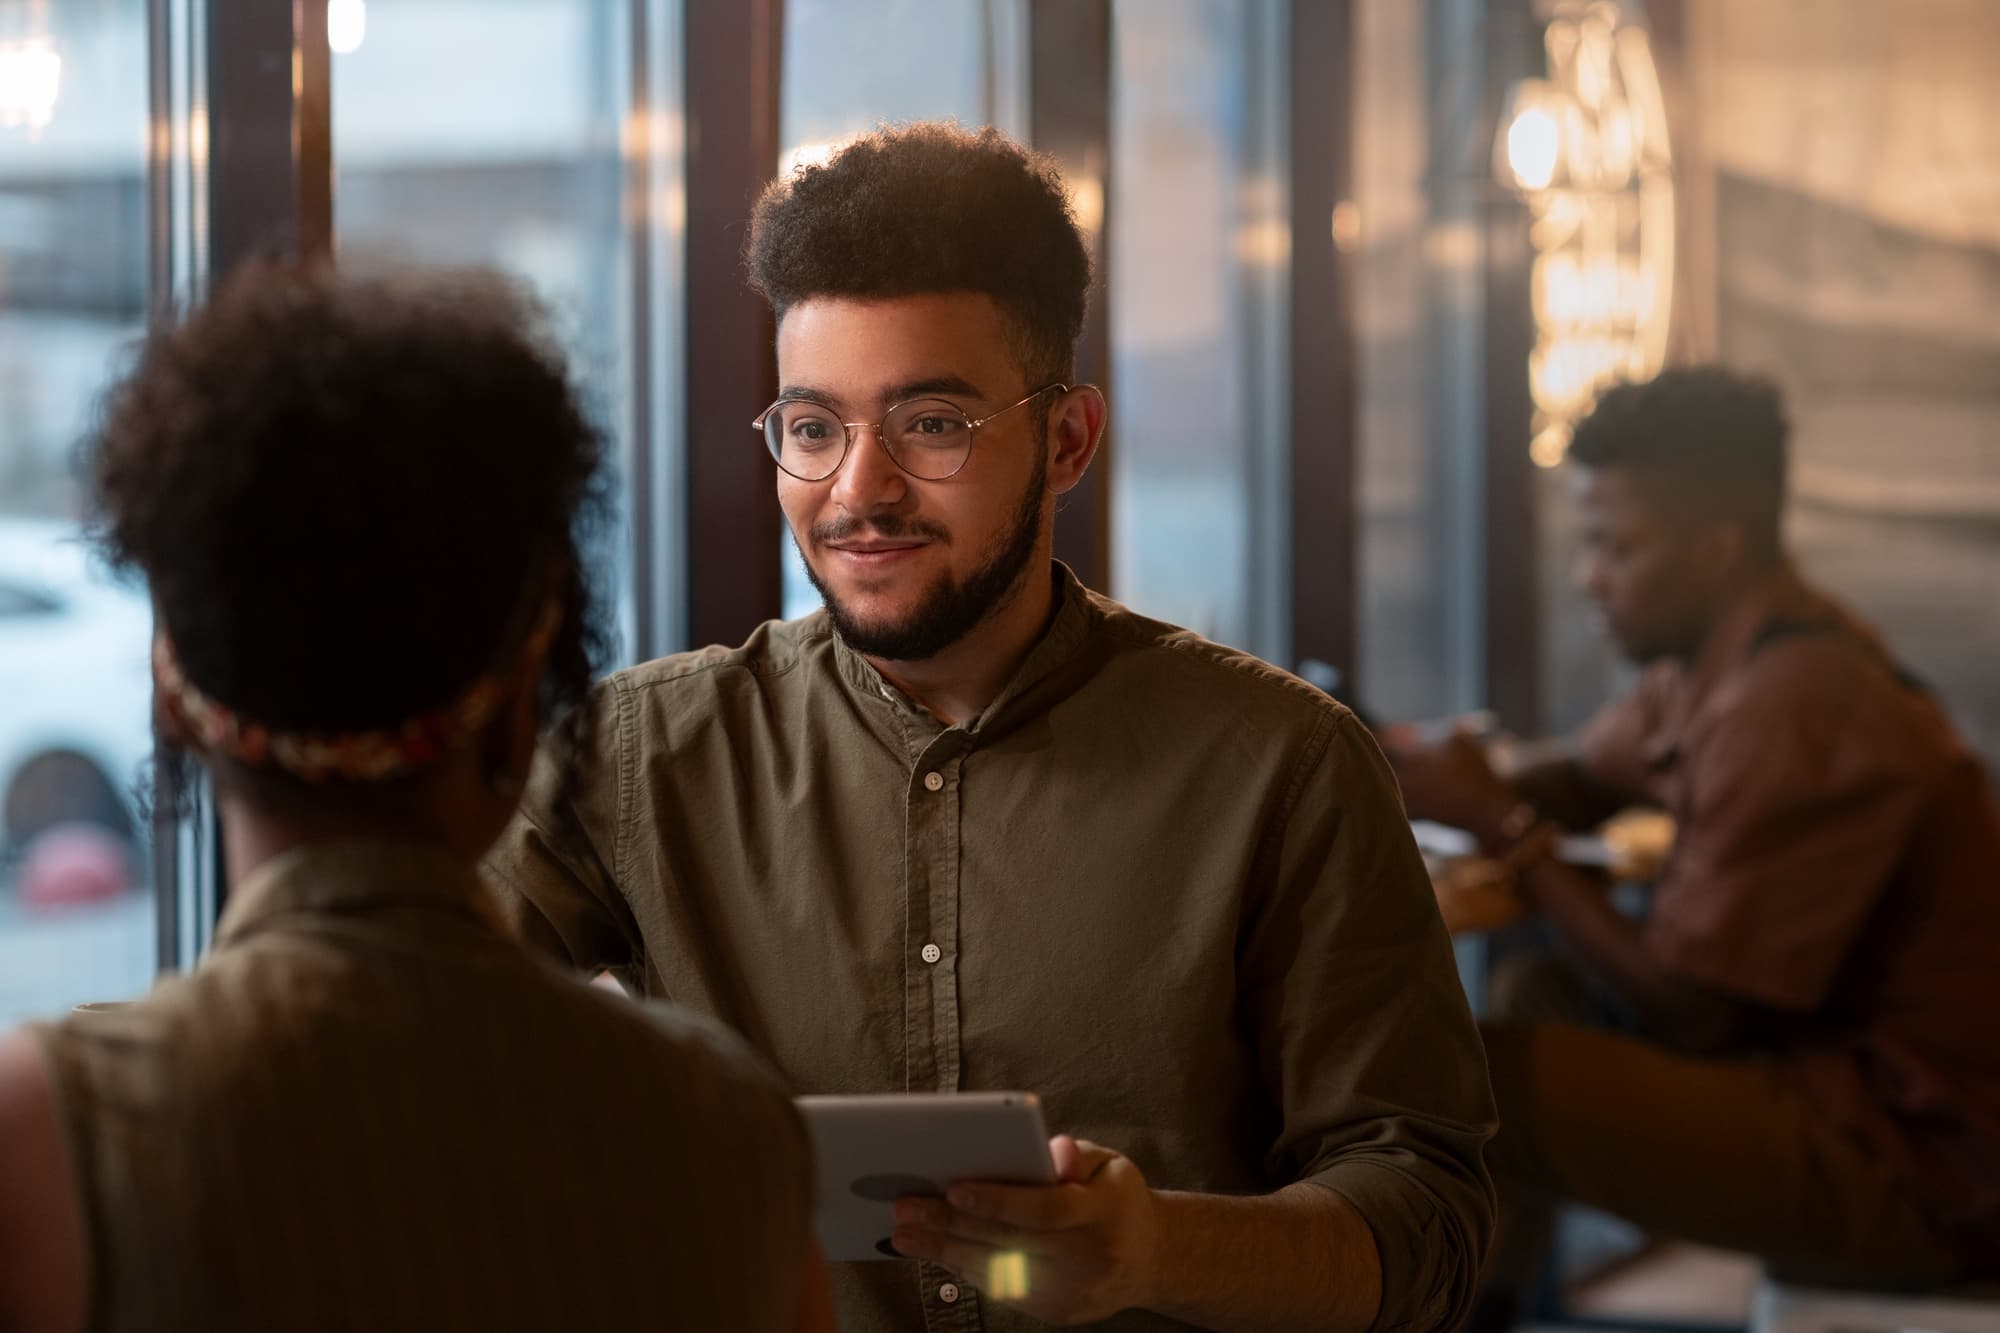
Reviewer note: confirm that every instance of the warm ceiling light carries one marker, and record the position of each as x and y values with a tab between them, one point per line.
346	25
1586	147
1534	143
30	82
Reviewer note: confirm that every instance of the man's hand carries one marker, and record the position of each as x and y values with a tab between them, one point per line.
1450	782
1069	1253
1475	895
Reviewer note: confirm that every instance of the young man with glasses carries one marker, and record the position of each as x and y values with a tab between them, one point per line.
973	826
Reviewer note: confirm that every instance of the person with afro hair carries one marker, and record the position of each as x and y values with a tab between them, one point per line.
360	505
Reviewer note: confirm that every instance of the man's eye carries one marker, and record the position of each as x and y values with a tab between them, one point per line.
935	429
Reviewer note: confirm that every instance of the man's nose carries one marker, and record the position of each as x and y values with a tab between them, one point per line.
868	478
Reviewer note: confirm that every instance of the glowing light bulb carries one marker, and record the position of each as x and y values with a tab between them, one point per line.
1550	446
346	25
1534	143
30	83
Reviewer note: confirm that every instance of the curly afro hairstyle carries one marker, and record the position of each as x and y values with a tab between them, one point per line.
1715	441
351	496
931	208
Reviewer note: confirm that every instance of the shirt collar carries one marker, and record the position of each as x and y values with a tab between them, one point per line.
1076	613
1778	595
351	878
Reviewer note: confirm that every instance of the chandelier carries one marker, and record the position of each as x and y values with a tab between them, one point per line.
1586	148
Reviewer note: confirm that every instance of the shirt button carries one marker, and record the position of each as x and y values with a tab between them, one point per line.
932	953
934	782
948	1293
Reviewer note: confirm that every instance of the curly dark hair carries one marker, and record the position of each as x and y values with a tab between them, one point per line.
350	496
931	208
1716	439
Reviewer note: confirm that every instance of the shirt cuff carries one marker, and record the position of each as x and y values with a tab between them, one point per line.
1427	1260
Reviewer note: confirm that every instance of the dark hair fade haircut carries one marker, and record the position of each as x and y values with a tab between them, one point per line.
350	496
931	207
1717	440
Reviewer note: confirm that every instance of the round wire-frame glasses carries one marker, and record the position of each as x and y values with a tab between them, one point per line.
929	438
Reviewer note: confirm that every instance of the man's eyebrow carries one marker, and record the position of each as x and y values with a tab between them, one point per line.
955	385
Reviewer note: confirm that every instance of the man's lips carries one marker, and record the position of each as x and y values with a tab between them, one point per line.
866	557
874	548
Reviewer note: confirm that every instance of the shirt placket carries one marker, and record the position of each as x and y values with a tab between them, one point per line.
931	1026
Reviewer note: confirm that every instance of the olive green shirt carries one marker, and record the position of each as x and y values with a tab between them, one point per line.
371	1110
1163	885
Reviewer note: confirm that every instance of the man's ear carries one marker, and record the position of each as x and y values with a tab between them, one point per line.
1076	429
1720	549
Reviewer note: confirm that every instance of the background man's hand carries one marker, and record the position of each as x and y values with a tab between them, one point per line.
1449	781
1069	1253
1475	895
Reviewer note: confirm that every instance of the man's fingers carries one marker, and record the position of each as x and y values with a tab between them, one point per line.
1398	736
1004	1273
1025	1207
968	1258
1078	1160
937	1217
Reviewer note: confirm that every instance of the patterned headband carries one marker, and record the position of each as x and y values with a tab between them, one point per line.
358	756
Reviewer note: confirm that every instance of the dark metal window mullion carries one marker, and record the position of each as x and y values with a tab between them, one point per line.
731	532
1069	118
264	170
1324	496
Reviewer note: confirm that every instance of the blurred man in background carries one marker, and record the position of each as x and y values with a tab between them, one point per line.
1778	1058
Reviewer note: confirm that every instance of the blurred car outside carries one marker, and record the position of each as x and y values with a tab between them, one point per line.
75	717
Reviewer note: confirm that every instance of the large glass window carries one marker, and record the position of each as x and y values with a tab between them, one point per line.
1416	230
76	907
496	132
1199	256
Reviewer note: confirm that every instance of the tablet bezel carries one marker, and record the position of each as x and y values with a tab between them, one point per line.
869	1149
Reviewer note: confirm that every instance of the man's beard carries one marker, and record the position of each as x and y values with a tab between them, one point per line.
949	609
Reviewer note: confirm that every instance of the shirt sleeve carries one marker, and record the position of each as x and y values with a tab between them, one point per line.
1802	799
553	871
1364	1037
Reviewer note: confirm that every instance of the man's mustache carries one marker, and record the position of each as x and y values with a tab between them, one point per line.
889	527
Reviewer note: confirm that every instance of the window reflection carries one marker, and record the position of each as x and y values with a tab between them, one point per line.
1199	250
76	910
510	153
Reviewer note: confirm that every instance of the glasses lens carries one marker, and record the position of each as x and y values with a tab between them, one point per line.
805	438
930	438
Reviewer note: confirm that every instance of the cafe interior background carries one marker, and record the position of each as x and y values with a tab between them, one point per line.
1361	263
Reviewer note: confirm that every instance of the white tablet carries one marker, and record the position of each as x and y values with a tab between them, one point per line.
874	1150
